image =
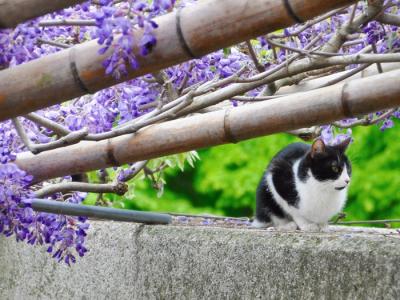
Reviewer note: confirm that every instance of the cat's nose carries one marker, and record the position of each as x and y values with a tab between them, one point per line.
347	181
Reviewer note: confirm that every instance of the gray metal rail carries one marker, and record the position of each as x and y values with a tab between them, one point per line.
115	214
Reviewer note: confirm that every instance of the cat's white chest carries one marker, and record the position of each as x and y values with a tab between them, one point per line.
318	201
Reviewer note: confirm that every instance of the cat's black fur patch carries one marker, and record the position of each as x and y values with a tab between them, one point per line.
266	205
325	165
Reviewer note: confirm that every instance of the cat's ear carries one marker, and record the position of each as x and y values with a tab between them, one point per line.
317	148
342	146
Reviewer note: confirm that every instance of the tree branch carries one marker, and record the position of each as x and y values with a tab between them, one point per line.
306	134
366	121
72	138
134	170
254	58
390	19
64	187
346	75
67	22
53	43
57	128
255	98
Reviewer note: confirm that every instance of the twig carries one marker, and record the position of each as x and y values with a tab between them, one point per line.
213	85
366	121
53	43
135	169
354	42
253	56
344	76
362	58
301	51
22	134
333	45
353	13
378	65
167	112
114	2
148	105
185	78
162	79
339	217
340	36
255	98
57	128
390	19
67	22
71	138
307	134
150	173
118	188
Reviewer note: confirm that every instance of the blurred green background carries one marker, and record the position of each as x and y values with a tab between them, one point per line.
224	180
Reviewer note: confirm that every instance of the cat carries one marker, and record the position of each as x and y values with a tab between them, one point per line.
303	187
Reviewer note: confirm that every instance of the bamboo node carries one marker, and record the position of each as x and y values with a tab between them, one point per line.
291	13
229	136
111	159
181	38
74	71
344	100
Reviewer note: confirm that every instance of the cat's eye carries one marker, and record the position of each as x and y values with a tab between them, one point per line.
335	169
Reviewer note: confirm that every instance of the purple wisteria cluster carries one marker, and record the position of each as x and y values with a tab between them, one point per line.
126	29
63	235
125	19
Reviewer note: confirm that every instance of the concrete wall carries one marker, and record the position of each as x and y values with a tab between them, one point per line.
129	261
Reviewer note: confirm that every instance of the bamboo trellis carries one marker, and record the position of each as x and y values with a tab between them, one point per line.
315	107
16	11
194	31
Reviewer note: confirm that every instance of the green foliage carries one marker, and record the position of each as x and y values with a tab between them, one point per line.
374	192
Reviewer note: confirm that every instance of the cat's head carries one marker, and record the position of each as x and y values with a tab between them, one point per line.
330	163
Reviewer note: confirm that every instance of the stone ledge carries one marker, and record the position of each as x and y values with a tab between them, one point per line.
128	261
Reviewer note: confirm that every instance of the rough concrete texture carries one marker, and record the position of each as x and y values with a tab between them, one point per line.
129	261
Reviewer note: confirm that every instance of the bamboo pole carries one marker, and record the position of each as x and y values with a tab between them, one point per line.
299	110
13	12
205	27
317	82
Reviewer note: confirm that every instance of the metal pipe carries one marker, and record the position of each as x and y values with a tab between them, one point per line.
114	214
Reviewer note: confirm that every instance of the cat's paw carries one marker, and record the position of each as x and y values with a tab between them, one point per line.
259	224
291	226
324	228
311	227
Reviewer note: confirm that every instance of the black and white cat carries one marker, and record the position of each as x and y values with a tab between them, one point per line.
303	187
